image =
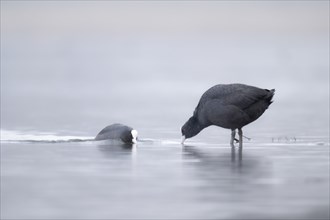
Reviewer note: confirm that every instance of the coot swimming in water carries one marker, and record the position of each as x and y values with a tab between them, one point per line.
118	132
229	106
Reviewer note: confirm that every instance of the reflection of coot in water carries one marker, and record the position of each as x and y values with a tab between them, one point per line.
229	106
118	132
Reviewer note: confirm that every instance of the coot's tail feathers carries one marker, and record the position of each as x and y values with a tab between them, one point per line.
270	96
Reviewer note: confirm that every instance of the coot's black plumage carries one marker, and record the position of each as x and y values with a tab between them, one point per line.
229	106
118	132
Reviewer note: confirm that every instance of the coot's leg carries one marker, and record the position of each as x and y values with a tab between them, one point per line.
233	133
240	137
233	152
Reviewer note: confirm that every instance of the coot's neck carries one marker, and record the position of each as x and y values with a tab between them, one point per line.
196	126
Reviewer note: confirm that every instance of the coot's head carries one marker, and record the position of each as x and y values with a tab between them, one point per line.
130	136
190	128
134	136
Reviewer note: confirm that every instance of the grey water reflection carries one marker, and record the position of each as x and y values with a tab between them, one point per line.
239	153
227	167
111	150
163	180
258	184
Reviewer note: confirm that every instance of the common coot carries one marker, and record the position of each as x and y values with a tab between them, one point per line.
118	132
230	106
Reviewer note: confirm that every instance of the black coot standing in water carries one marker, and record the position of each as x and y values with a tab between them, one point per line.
118	132
229	106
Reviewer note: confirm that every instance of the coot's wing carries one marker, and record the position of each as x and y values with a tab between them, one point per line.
244	97
111	128
239	95
113	131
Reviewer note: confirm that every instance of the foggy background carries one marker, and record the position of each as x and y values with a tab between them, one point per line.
75	67
70	68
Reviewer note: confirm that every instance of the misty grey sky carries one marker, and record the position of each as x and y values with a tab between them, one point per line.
83	64
116	17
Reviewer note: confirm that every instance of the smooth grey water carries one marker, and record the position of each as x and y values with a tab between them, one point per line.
273	177
164	180
68	69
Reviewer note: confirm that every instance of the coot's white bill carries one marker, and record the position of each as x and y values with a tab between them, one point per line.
183	139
